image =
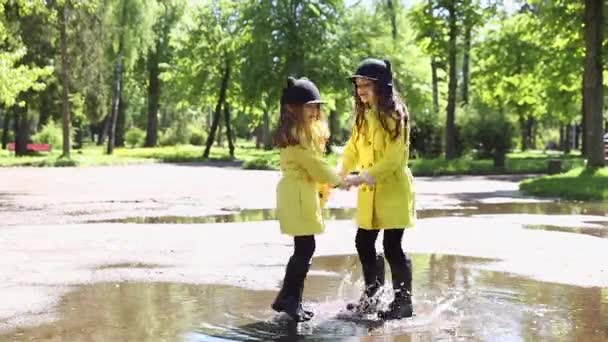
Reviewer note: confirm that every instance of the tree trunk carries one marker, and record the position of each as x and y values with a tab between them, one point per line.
218	108
79	135
65	81
117	83
5	128
499	159
583	129
259	136
120	123
228	129
435	81
466	65
568	138
104	127
116	101
267	133
393	15
153	99
530	129
450	127
593	93
21	130
220	131
522	129
46	106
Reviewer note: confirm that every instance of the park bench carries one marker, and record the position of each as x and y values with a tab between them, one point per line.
32	147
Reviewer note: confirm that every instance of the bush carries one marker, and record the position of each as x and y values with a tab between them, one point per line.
177	134
426	136
135	137
50	134
487	131
197	136
258	164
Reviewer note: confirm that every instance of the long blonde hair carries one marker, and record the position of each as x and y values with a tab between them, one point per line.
294	130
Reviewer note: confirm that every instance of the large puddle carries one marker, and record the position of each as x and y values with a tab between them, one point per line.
454	300
248	215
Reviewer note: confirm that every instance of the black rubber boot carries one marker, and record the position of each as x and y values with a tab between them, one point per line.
289	299
401	306
373	276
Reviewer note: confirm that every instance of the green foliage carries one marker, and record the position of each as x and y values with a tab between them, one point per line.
135	137
487	131
176	134
197	136
51	134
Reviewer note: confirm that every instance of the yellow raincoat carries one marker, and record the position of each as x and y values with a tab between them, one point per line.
390	202
303	189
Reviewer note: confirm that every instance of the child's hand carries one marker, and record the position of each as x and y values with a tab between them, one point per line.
354	180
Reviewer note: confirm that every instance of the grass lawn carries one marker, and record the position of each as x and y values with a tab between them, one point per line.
577	184
252	158
516	163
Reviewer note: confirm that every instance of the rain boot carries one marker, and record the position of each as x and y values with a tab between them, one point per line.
373	276
289	299
401	306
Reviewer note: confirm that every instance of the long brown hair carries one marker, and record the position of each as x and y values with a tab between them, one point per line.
390	107
292	128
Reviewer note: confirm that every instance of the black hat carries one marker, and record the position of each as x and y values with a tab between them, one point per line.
375	69
300	91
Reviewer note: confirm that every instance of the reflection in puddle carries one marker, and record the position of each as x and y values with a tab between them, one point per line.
543	208
453	301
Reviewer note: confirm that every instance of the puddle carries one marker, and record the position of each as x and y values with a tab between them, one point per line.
601	232
248	215
130	265
454	301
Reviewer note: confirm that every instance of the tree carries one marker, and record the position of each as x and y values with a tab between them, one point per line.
593	96
131	24
63	14
159	53
450	125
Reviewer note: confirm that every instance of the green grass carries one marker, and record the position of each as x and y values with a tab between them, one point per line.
516	163
89	156
577	184
252	158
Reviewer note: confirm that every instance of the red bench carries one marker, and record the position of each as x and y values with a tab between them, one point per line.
32	147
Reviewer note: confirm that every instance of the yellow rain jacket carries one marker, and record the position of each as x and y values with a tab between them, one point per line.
390	202
303	190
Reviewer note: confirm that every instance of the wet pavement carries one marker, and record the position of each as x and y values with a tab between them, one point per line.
454	301
187	255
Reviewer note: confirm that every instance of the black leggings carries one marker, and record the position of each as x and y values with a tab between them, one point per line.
401	267
366	245
304	247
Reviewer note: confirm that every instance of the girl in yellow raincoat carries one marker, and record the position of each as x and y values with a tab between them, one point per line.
303	188
378	148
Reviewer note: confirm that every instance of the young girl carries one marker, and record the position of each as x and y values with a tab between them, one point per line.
378	148
301	137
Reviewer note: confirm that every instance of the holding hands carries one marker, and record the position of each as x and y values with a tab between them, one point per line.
356	180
